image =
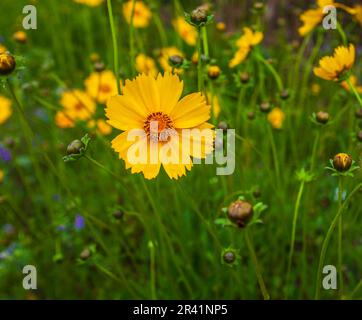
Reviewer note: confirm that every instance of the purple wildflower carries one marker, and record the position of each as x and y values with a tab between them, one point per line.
79	222
5	154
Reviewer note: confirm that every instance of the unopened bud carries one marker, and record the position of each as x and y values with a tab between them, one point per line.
342	162
322	117
240	212
7	63
74	147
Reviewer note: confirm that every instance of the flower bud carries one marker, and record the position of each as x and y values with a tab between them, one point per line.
118	214
85	254
198	15
265	107
229	257
359	136
358	113
74	147
222	125
240	212
284	95
342	162
251	115
213	72
244	77
322	117
175	61
99	66
7	63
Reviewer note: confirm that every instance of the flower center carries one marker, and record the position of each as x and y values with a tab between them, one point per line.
158	126
79	106
105	88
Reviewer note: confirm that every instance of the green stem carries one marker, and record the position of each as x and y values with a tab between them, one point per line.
314	151
295	219
131	39
205	43
328	237
342	34
272	70
199	65
251	249
115	45
152	270
340	236
354	90
275	154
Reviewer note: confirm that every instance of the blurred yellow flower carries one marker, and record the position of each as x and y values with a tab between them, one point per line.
195	57
215	105
77	104
20	36
353	80
141	14
5	109
101	85
333	67
245	44
147	101
358	13
62	120
312	17
220	26
1	176
165	54
316	89
145	64
101	127
187	32
90	3
2	48
276	118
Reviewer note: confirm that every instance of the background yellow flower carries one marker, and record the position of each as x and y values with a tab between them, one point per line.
78	105
90	3
145	64
141	15
276	118
101	85
187	32
5	109
165	54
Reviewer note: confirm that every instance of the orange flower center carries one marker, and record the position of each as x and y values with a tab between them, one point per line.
158	126
105	88
79	106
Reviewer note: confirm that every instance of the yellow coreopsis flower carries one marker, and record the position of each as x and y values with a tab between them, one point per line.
101	85
165	54
141	14
245	44
276	118
213	100
333	67
187	32
5	109
101	126
353	80
62	120
154	121
145	64
312	17
90	3
77	104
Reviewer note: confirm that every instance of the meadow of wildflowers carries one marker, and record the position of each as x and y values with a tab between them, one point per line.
167	149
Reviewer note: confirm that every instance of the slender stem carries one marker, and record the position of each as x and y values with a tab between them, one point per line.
275	154
99	165
340	236
328	237
314	151
131	38
205	43
354	90
342	34
152	270
358	287
272	70
295	219
115	45
251	249
199	65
